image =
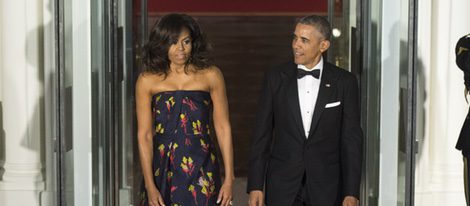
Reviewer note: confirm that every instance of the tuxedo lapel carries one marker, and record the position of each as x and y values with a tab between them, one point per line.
292	94
327	86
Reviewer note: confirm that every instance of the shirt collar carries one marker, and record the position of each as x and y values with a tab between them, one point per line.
318	66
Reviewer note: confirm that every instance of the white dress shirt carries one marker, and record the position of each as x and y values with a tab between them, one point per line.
308	87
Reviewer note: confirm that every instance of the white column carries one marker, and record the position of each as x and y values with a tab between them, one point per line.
439	179
22	83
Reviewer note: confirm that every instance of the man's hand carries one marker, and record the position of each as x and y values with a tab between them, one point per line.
350	201
256	198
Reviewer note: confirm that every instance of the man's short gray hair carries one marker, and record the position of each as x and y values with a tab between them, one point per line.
320	23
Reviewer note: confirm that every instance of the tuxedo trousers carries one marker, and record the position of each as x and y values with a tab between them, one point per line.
302	198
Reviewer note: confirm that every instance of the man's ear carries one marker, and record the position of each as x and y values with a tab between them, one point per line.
324	45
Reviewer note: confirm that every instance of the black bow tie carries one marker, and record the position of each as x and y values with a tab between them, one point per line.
301	73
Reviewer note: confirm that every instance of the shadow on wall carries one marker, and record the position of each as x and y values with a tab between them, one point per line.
421	98
26	106
405	89
32	138
34	52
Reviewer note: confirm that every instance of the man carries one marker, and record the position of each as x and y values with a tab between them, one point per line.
462	52
307	144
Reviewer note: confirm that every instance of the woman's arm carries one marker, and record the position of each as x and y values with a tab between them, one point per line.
143	97
223	132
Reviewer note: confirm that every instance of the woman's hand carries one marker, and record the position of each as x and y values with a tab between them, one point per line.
154	197
225	195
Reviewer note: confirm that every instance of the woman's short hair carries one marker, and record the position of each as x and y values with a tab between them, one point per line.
164	33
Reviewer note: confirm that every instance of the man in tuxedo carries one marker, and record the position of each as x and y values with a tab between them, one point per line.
462	54
307	143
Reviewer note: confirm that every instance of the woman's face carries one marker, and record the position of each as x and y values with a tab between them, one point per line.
180	51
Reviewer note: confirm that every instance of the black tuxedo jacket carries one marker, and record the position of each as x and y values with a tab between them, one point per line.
331	156
462	51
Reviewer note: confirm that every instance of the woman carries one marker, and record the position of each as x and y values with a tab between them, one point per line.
174	96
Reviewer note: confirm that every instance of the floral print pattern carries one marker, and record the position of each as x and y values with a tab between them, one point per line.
185	165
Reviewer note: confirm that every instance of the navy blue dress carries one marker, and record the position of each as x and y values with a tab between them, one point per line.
185	165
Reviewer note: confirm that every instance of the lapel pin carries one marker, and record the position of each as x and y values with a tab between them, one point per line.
327	85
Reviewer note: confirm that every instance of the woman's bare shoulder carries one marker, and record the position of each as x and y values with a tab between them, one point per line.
147	80
214	77
213	72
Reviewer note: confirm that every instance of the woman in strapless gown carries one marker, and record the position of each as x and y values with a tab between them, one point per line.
176	95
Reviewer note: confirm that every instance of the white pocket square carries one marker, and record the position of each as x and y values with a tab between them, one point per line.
333	104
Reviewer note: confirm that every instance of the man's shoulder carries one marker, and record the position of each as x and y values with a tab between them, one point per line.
340	72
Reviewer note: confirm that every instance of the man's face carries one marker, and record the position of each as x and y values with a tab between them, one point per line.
308	44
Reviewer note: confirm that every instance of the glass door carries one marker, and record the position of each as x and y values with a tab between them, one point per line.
128	40
388	89
102	72
65	141
375	40
113	73
74	95
95	119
